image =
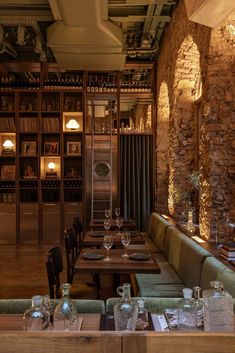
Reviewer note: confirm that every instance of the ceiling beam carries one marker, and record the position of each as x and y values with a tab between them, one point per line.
139	18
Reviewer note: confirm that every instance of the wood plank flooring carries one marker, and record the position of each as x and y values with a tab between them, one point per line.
23	272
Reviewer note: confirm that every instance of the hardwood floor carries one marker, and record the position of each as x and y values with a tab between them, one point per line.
23	272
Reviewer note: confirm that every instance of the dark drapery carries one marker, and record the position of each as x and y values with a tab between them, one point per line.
136	161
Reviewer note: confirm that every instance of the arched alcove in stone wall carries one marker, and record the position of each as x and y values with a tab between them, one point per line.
218	135
162	146
182	127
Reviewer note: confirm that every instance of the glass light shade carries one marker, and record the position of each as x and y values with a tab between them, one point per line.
51	165
72	124
8	144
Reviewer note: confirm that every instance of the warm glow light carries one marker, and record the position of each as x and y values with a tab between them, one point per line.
8	144
198	239
72	124
51	165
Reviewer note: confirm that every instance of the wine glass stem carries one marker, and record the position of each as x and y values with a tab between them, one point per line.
107	253
125	250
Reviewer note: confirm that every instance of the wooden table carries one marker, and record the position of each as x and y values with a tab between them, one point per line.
14	322
98	224
95	238
117	264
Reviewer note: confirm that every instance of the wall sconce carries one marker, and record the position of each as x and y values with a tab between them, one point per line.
8	146
72	124
51	173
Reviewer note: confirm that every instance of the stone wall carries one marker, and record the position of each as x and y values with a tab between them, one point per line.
197	65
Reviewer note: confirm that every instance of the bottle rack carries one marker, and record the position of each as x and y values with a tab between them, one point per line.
35	116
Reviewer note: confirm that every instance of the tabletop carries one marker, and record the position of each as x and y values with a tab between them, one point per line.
95	238
117	263
14	322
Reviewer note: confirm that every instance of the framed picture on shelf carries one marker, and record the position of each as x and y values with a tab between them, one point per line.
74	148
29	172
8	171
28	148
51	148
71	172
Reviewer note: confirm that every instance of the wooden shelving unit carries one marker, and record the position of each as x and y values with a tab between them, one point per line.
44	181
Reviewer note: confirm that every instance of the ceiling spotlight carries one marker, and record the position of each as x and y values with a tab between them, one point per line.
20	35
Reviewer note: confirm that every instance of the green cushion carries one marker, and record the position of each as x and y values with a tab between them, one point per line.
162	290
153	305
228	280
185	256
210	271
157	230
18	306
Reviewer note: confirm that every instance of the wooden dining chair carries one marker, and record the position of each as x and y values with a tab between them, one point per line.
78	227
71	251
54	266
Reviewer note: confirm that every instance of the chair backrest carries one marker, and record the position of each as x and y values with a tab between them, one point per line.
54	266
70	242
77	226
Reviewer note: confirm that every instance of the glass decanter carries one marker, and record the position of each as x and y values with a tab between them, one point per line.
125	311
65	316
199	303
36	318
187	312
190	225
142	318
218	309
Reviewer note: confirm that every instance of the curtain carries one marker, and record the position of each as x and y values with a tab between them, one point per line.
136	184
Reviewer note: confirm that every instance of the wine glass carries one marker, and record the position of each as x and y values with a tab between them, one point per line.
107	213
125	240
108	243
107	223
117	211
119	223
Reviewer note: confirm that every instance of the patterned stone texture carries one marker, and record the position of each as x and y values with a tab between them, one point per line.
201	131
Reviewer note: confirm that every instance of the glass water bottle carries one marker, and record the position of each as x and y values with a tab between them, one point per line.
125	311
187	312
36	318
199	303
218	309
190	224
65	316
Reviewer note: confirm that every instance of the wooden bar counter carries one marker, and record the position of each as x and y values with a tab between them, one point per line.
89	340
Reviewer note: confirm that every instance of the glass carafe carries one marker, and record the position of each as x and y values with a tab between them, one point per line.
218	309
199	303
36	318
125	311
142	318
65	316
187	312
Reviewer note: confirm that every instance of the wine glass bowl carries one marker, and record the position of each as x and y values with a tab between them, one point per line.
119	223
108	243
125	240
107	223
107	213
117	211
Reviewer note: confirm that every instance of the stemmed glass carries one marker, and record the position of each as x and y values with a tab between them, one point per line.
107	213
107	223
108	243
117	211
125	240
119	223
